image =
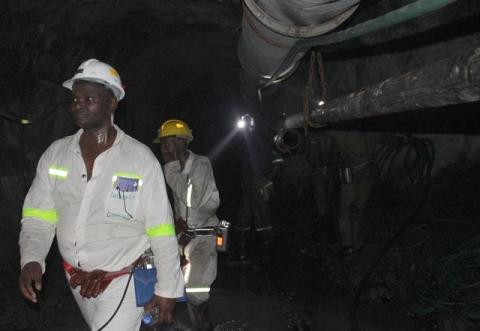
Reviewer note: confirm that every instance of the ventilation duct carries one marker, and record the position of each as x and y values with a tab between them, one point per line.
271	28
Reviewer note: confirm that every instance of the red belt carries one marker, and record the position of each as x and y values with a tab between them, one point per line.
108	276
91	283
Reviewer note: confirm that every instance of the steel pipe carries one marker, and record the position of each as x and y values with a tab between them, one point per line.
450	81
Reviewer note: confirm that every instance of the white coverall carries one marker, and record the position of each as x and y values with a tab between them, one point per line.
357	150
203	201
104	223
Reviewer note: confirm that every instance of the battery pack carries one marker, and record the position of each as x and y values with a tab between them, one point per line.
144	280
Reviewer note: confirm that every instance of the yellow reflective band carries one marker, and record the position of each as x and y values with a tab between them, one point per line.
58	172
46	215
161	230
197	289
126	175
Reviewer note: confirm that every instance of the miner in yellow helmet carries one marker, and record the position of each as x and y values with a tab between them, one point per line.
175	128
196	199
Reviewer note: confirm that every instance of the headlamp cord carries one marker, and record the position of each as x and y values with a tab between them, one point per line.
123	296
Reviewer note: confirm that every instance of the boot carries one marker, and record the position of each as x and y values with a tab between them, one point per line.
164	327
182	317
200	317
264	246
241	250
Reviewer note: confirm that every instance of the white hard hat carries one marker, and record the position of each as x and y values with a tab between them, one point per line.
96	71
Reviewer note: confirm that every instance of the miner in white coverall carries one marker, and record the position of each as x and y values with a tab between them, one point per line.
104	196
196	199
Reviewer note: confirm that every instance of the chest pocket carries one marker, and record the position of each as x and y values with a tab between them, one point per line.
122	200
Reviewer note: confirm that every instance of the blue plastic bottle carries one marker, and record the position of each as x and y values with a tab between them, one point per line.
151	318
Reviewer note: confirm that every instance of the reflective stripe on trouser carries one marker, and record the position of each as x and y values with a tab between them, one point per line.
201	270
96	311
265	228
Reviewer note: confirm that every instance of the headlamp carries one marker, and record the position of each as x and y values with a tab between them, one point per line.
246	122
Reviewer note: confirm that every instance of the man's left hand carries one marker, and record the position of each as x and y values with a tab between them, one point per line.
165	308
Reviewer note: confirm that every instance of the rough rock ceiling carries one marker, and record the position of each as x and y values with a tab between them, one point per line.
180	57
41	36
165	50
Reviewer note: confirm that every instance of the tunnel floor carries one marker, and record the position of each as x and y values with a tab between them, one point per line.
288	291
244	297
305	283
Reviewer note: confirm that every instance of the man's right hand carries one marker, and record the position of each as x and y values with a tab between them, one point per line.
30	280
165	308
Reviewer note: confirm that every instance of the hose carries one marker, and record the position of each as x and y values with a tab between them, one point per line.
123	296
450	283
416	156
403	14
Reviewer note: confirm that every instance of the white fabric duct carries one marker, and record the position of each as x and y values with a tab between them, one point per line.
271	28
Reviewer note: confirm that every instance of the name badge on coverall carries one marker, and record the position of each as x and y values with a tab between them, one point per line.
122	200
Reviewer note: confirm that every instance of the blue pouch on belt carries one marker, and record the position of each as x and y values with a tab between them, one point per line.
144	280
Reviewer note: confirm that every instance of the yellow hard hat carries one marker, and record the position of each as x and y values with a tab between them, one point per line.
174	128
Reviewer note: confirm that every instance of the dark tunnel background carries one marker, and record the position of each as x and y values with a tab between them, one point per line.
418	268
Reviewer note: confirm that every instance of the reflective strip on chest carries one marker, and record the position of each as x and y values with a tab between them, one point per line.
189	192
58	172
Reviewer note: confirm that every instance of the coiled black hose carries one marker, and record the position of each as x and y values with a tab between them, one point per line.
406	163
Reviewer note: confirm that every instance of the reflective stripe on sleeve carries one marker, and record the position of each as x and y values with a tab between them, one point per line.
58	172
162	230
46	215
